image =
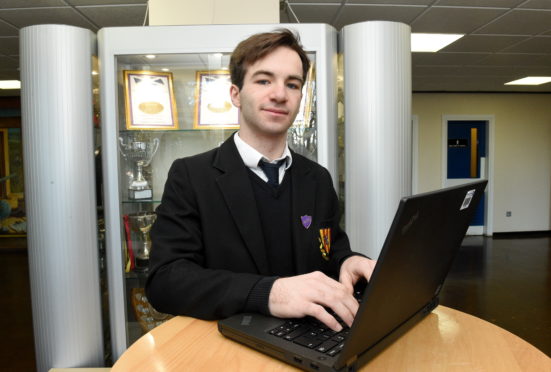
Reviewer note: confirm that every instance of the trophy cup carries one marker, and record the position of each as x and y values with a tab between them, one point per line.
141	223
140	152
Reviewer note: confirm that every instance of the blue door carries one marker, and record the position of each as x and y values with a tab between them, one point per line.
466	157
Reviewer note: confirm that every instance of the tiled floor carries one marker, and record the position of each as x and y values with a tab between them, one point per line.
16	343
505	280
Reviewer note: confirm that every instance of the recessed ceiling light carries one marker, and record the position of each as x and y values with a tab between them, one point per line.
531	80
10	84
165	69
432	42
151	56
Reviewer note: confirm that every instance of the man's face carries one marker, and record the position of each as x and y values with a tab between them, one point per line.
270	97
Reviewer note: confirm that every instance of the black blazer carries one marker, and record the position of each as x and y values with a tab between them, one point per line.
208	248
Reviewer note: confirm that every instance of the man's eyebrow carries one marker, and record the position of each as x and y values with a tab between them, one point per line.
297	77
271	74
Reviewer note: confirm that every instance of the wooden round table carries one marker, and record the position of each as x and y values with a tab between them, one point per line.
446	340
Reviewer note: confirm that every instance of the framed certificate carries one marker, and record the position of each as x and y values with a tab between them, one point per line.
149	100
213	106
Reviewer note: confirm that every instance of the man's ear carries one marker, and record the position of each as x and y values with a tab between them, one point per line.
235	96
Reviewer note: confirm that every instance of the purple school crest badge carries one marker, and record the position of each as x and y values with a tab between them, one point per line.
306	221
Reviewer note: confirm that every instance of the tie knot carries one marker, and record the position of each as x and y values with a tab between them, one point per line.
271	170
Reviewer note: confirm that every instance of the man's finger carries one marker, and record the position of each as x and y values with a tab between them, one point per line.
318	312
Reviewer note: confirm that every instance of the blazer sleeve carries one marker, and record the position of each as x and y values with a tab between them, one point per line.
179	282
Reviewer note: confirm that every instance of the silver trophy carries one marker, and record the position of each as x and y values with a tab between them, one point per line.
141	224
140	152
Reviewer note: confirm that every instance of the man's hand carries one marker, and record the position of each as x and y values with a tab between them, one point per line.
353	269
308	294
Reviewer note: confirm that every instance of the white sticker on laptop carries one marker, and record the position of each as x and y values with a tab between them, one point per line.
467	200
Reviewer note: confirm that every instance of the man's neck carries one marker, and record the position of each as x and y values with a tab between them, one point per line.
272	147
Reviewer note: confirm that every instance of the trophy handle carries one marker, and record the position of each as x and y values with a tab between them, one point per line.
155	147
121	147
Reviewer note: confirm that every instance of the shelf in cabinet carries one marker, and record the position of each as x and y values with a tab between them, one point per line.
136	274
149	201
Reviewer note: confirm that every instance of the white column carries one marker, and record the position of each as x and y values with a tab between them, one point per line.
56	97
377	104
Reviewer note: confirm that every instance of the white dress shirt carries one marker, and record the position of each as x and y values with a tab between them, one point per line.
251	157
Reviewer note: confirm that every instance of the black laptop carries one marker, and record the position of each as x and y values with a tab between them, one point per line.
418	252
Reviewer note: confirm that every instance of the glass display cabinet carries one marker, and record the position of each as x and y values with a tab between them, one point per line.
165	95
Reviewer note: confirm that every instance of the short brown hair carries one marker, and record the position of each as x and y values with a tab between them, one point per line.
260	45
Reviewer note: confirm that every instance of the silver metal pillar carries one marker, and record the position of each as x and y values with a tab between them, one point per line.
56	98
377	104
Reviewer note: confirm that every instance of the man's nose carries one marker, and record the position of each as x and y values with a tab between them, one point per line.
279	92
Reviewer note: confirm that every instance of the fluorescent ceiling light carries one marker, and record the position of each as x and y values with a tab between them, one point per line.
531	80
10	84
432	42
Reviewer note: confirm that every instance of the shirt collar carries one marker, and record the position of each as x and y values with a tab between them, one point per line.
251	156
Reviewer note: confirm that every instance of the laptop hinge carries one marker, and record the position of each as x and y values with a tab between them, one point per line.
351	363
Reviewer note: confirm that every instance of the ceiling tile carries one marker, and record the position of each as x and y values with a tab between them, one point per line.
104	2
34	16
392	2
334	2
7	4
474	72
424	71
534	45
354	13
483	43
108	16
8	63
536	4
9	45
481	3
520	22
285	17
313	13
522	71
463	84
455	20
7	29
450	59
502	59
477	71
8	75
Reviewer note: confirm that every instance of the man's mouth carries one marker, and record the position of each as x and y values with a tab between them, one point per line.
275	111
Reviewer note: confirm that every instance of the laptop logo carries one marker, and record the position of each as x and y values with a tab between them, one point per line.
410	223
246	320
467	200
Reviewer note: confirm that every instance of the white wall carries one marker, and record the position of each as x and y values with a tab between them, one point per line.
221	12
522	158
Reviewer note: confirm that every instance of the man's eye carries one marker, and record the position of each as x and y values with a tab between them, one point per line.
263	82
293	86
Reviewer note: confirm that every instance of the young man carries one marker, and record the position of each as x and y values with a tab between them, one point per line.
228	237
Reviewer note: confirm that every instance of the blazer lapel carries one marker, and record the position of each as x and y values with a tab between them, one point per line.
236	187
303	224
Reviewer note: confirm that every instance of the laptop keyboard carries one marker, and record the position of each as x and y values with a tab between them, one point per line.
313	334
